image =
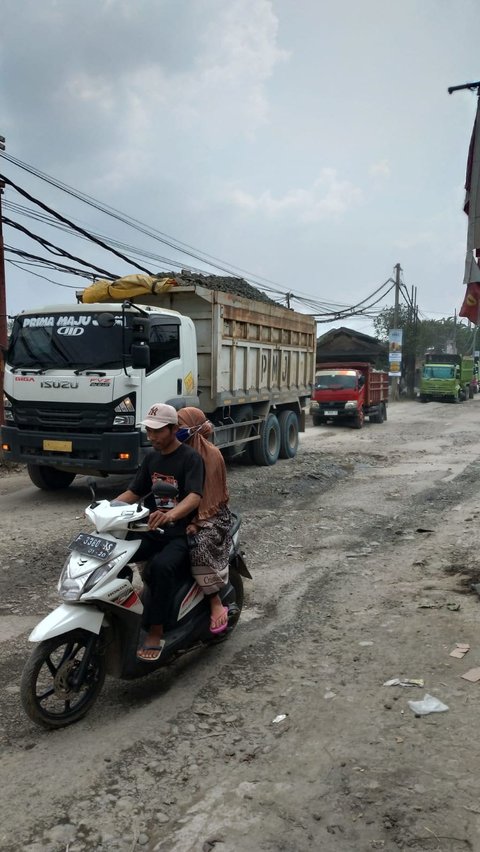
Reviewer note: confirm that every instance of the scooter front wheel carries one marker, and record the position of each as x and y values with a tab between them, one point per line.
62	678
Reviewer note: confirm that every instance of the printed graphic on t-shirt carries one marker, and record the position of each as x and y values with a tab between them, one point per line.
165	503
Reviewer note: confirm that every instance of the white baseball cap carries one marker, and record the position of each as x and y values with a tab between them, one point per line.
160	415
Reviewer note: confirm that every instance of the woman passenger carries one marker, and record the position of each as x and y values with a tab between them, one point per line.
209	530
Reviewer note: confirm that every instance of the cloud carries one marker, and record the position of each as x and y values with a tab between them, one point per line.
419	238
327	198
380	169
240	55
139	81
220	94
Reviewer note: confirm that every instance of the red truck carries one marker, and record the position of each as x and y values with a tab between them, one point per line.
350	391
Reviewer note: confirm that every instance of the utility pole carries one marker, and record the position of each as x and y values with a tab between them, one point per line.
398	269
413	353
3	298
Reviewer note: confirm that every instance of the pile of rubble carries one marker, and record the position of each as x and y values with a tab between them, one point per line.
225	283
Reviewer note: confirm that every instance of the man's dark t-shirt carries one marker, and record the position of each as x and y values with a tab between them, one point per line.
183	468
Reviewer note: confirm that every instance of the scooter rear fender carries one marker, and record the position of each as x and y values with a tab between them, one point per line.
67	617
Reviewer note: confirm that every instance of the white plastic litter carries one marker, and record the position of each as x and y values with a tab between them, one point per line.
279	718
428	705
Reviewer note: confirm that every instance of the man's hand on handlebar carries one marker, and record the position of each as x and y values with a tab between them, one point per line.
161	519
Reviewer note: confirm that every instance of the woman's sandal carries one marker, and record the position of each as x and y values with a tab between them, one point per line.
222	627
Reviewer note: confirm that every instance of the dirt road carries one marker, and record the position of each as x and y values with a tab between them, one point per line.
363	549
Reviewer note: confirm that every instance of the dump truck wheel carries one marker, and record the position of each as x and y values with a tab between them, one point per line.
266	450
288	422
242	415
48	478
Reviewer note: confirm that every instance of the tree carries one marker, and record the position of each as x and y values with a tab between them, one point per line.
425	334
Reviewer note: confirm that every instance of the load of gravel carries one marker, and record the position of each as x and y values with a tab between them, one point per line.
225	283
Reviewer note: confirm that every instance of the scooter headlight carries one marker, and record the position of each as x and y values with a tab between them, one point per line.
70	589
100	573
74	582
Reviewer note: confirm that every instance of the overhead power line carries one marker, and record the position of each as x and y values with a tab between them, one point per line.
323	310
55	249
51	264
68	222
44	277
172	242
179	245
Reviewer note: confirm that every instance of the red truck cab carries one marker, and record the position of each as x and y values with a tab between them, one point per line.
349	392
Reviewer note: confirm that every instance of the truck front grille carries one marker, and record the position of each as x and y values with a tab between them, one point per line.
55	418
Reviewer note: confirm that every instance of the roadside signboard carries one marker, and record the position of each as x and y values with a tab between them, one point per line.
395	338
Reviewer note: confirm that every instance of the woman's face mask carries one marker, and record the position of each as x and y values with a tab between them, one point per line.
184	432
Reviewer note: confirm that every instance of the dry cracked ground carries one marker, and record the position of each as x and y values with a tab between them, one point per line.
363	551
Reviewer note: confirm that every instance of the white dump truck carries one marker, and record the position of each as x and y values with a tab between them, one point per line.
79	378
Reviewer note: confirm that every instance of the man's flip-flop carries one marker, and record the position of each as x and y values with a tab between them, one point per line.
223	627
158	648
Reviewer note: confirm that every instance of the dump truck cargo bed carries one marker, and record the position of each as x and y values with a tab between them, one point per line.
248	350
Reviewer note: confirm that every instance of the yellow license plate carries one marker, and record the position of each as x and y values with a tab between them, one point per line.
58	446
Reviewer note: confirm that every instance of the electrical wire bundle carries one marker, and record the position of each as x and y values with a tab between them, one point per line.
139	258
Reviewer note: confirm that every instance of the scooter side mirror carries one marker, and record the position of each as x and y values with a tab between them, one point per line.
164	489
92	484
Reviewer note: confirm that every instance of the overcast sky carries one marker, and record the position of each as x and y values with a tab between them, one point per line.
309	142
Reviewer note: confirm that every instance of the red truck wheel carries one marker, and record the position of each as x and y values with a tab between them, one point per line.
379	417
359	419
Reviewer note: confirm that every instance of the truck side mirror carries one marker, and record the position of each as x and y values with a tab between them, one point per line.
140	329
140	353
105	320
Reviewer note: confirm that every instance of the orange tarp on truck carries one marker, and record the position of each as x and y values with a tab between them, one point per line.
126	288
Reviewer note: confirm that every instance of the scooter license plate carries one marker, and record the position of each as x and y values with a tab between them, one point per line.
92	545
331	413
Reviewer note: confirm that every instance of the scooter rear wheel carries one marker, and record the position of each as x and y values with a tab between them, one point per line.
237	583
46	690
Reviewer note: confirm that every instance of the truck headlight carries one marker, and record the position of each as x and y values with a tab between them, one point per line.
351	404
7	408
124	413
314	405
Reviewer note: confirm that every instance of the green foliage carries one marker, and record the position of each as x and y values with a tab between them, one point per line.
436	334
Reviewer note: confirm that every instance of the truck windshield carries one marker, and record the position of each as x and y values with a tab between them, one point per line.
334	381
439	371
72	340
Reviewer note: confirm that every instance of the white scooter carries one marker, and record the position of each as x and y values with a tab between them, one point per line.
97	629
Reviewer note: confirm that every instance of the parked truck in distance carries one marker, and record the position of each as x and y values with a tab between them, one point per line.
349	392
79	378
447	377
